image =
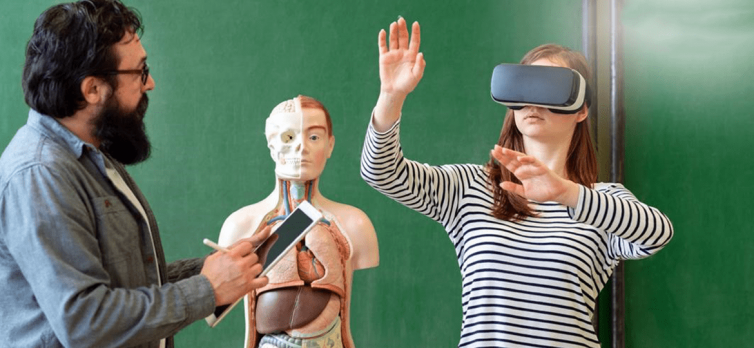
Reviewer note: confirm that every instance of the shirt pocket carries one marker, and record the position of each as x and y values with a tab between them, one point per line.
120	237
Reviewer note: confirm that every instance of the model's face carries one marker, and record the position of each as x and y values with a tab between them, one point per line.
540	123
317	145
299	144
284	141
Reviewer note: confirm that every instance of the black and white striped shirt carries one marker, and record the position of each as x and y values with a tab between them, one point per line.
530	283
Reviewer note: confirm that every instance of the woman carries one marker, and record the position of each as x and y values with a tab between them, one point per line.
536	238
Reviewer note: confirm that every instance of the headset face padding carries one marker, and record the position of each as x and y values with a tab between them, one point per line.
562	90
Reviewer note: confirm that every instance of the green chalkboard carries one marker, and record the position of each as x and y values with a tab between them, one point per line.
688	96
220	67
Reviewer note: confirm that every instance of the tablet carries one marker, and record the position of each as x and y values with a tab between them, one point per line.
287	235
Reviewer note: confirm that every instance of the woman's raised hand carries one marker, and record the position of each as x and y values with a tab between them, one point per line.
538	182
401	64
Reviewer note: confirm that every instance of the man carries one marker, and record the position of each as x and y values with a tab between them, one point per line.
81	263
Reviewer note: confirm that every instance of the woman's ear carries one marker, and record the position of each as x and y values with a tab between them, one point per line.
583	113
95	90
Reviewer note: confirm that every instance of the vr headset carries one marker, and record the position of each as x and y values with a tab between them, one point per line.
561	90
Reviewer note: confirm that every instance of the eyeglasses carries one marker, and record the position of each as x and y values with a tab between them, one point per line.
143	71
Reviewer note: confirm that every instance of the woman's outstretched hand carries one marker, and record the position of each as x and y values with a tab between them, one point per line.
401	64
538	182
401	68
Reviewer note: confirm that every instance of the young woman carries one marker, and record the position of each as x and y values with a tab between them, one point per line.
536	238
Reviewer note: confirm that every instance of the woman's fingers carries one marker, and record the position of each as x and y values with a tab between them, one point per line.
507	156
381	44
399	37
506	159
402	34
512	187
527	159
393	36
419	65
416	38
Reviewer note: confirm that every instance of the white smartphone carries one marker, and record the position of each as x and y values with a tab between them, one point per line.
288	233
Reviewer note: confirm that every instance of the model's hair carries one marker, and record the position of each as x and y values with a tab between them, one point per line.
70	42
581	162
309	102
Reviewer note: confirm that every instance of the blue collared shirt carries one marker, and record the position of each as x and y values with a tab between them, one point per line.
77	264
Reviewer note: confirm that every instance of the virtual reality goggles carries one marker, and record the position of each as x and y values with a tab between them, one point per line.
561	90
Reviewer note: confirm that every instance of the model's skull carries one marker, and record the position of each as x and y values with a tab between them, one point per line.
284	138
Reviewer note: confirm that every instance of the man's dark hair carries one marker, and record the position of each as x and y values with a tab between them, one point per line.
70	42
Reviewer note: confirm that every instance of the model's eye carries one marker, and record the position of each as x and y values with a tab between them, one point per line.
314	137
286	137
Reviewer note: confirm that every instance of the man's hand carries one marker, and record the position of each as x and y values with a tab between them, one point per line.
233	273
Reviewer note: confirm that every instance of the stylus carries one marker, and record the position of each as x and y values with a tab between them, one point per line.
213	245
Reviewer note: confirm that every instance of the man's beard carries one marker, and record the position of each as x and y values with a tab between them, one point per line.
122	133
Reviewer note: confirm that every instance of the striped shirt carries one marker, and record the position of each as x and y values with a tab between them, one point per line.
529	283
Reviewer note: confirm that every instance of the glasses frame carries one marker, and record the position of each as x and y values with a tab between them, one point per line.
143	71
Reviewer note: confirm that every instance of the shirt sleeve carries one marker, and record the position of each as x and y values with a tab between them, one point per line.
434	191
52	236
185	268
635	230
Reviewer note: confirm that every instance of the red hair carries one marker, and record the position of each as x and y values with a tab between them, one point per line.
311	103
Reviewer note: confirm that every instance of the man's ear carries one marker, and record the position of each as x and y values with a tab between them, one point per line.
95	90
332	146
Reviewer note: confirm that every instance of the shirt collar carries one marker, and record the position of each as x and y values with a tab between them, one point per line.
48	126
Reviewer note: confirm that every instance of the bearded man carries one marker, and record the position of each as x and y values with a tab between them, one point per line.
81	263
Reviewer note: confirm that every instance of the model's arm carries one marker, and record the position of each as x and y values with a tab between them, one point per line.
361	233
55	242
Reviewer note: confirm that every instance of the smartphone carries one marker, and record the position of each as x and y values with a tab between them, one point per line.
287	235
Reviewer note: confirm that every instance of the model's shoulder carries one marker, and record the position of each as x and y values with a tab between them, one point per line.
249	212
347	215
243	222
345	211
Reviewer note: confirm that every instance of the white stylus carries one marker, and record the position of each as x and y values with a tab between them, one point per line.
213	245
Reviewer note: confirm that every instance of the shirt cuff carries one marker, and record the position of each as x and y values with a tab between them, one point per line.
386	133
199	295
576	213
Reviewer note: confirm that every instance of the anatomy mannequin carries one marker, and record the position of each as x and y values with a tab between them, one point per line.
307	300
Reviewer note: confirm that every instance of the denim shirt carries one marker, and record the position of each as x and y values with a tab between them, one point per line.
77	266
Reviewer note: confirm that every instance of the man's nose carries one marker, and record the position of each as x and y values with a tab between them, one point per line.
150	83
